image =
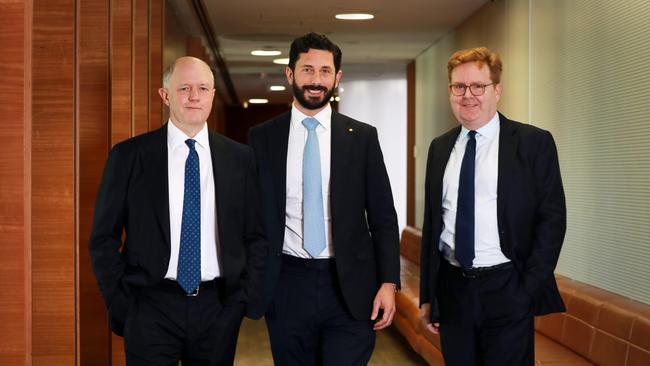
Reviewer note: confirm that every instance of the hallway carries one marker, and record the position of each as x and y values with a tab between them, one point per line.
253	348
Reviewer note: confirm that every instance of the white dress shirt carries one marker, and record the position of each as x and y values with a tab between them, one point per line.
487	247
293	233
177	152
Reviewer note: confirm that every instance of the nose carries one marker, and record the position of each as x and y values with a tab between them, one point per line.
316	79
194	94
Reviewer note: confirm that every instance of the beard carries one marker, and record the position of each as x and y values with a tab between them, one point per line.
313	102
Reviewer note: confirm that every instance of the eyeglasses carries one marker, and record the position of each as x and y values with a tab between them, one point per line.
476	89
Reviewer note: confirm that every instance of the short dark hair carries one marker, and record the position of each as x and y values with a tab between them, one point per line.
313	41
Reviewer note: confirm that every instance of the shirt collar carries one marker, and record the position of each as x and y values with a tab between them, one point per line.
489	130
176	137
324	117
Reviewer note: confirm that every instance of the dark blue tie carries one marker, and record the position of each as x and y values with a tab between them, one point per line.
189	257
465	209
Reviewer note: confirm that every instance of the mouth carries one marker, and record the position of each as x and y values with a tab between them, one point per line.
469	105
314	91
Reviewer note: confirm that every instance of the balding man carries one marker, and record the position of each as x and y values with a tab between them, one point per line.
193	255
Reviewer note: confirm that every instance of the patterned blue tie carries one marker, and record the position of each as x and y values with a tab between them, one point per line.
465	211
189	257
312	192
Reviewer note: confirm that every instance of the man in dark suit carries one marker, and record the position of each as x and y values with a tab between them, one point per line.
334	258
194	251
494	223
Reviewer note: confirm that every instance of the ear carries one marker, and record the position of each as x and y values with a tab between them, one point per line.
289	73
497	91
338	77
164	95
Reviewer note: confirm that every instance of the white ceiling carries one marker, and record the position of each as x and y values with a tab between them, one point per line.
384	45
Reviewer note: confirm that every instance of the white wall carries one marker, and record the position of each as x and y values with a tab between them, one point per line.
576	68
382	103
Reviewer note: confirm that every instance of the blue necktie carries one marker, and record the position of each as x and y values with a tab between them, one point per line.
189	257
465	209
312	191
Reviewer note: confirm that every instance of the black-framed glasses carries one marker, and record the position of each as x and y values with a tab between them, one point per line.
476	89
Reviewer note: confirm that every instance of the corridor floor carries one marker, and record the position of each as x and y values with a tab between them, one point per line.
253	348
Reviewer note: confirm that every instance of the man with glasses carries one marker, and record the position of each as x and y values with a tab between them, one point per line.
494	223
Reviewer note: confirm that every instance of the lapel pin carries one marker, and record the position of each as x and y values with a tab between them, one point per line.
350	129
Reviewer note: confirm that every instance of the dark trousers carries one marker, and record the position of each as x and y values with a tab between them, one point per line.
308	321
164	326
487	320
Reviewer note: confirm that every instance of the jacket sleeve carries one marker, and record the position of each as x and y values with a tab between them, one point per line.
106	236
255	239
426	286
381	215
550	217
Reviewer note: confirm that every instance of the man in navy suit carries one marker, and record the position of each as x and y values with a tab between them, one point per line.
334	261
494	223
194	252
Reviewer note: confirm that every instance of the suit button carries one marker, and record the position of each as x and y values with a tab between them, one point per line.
278	254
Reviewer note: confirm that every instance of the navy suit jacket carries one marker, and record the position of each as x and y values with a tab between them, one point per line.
531	211
365	235
133	198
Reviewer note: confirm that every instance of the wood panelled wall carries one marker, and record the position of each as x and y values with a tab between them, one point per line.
78	77
15	172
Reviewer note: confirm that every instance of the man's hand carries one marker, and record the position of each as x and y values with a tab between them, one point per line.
385	299
424	315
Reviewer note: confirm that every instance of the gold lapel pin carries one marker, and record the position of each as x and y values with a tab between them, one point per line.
350	129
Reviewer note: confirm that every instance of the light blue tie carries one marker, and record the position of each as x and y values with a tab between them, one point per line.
312	192
189	257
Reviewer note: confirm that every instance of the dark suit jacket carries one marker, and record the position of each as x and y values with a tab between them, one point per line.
531	211
133	196
364	223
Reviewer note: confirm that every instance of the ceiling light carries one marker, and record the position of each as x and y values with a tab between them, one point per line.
258	101
265	53
281	61
355	16
277	88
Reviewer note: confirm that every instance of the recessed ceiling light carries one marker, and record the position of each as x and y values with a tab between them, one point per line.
258	101
355	16
277	88
265	53
281	61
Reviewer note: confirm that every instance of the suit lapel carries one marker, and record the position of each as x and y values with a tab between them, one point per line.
508	142
441	153
341	138
278	143
156	164
220	176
